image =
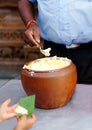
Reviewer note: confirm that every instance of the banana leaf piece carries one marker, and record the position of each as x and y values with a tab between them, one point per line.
28	103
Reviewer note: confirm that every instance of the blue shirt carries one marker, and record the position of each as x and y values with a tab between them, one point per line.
65	21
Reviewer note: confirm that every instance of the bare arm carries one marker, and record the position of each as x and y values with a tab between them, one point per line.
27	13
26	10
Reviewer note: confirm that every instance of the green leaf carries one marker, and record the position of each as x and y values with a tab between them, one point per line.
28	103
18	114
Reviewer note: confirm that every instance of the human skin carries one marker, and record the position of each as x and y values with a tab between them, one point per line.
7	112
25	123
27	13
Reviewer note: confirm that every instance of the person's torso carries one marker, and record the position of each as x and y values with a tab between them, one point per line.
65	21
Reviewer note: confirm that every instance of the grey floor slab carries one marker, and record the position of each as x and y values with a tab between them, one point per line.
3	81
7	75
76	115
9	72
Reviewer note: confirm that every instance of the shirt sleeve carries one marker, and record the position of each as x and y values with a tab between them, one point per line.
33	1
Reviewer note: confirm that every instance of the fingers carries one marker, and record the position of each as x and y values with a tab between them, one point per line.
37	36
30	120
31	39
11	115
14	106
12	109
18	118
9	109
32	36
7	102
34	117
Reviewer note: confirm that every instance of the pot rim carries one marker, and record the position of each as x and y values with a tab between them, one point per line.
46	71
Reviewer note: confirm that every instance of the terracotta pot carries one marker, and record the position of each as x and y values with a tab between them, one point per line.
53	89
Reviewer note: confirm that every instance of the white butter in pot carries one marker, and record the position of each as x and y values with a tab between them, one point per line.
48	63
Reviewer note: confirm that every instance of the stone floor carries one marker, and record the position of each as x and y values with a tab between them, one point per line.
7	75
77	114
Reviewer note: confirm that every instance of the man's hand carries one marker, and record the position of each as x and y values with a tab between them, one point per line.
32	35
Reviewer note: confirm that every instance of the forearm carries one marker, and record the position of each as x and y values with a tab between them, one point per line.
26	10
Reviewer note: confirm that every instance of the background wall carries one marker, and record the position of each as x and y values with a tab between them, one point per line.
13	54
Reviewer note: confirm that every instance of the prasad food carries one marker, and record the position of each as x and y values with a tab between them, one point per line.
45	52
48	63
21	110
26	106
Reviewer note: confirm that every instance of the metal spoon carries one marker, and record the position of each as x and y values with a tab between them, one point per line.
45	52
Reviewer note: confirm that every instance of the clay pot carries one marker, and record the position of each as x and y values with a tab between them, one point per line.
53	89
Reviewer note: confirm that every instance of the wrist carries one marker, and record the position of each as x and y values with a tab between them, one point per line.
1	120
32	21
19	128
